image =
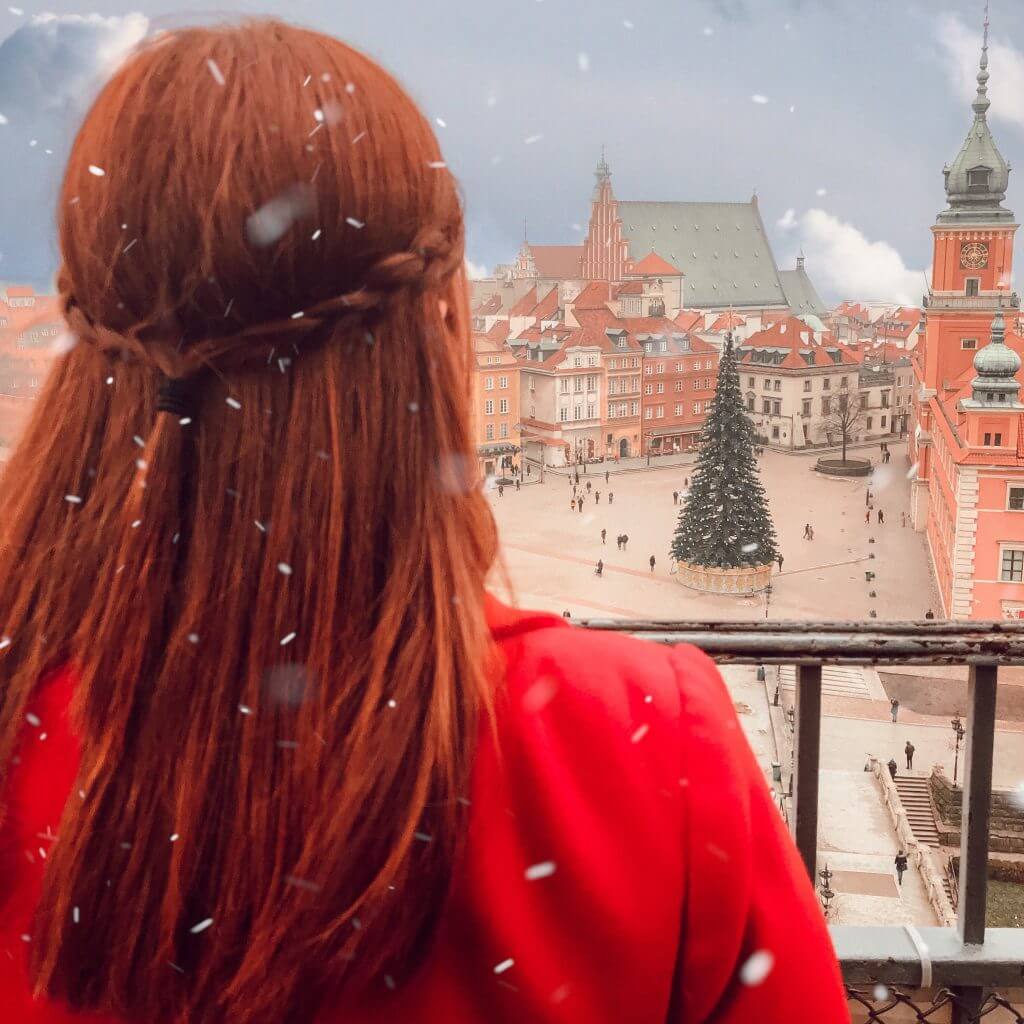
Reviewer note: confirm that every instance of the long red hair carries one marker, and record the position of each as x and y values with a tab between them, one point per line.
272	590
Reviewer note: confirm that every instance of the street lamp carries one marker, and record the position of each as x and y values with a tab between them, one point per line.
827	895
958	732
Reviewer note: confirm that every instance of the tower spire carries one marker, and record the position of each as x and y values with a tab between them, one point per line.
982	102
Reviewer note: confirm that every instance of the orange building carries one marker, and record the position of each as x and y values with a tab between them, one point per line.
29	326
966	442
496	426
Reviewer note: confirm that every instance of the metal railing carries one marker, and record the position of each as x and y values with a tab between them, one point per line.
966	969
957	300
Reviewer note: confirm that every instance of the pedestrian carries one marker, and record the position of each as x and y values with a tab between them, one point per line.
903	519
501	490
686	483
597	497
625	541
604	533
881	517
618	541
565	614
807	531
760	673
811	536
675	497
600	567
579	504
892	766
606	476
652	563
517	483
577	476
867	515
529	469
588	487
929	614
780	563
894	708
572	504
909	751
867	496
901	866
611	497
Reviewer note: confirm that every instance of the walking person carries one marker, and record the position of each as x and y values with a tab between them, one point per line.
894	708
600	567
597	497
606	476
625	541
675	497
779	560
618	541
892	768
807	531
903	519
604	533
881	517
611	497
579	502
501	490
867	516
810	533
901	867
517	483
588	487
652	563
364	814
909	751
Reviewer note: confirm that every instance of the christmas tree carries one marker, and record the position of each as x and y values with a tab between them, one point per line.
725	523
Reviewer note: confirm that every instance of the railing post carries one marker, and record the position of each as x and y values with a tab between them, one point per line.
808	750
976	806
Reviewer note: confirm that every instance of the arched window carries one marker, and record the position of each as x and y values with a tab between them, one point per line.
978	179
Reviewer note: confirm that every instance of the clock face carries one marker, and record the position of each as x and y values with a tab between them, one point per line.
974	255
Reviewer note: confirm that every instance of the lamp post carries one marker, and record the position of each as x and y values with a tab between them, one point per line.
827	895
958	732
767	599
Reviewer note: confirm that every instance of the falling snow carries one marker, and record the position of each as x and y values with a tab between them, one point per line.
201	926
218	75
545	869
757	967
504	966
97	171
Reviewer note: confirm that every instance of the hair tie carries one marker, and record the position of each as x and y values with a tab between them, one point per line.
176	396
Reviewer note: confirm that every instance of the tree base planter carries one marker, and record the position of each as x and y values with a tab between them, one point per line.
836	467
709	580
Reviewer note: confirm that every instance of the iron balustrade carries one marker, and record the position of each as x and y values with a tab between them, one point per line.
964	966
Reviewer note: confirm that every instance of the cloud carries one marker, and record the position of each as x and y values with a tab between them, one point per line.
846	263
50	70
962	51
476	271
788	220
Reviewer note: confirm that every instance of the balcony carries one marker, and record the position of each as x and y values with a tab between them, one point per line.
967	974
989	301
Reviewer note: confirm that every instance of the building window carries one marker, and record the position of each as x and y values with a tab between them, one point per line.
778	385
679	385
634	408
998	441
707	406
826	406
777	408
1012	565
488	383
977	179
648	413
807	385
577	412
611	412
971	286
577	360
590	411
884	422
661	412
679	409
591	382
613	364
696	408
661	388
563	414
969	343
503	406
708	365
488	408
750	403
503	382
807	407
993	440
489	432
503	431
564	385
660	368
636	362
775	433
577	385
750	382
1015	499
870	422
885	399
679	367
767	384
827	383
591	360
648	389
766	407
649	369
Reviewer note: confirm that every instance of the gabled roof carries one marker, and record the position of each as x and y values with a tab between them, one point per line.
853	310
547	308
558	261
489	306
721	248
790	343
630	288
726	322
526	304
800	292
594	296
652	265
690	319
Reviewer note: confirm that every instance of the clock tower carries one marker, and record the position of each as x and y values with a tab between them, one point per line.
971	275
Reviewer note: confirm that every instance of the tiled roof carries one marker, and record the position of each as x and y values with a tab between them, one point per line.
547	308
594	296
526	304
557	261
792	346
489	306
630	288
854	310
690	319
652	265
726	322
721	248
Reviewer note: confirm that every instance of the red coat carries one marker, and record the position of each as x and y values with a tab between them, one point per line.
627	784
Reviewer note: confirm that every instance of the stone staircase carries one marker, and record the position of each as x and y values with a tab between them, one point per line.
915	795
836	681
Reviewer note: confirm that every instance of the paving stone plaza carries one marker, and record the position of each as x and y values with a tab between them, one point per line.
550	552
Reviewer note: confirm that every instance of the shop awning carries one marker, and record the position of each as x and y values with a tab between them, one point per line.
506	448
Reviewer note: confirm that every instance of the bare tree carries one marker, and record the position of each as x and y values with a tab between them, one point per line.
845	418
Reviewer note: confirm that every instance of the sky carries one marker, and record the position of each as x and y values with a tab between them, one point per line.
839	113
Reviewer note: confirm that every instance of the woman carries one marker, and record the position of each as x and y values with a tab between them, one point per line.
268	751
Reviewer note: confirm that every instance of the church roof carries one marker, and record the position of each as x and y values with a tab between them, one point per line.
652	265
721	248
561	262
801	293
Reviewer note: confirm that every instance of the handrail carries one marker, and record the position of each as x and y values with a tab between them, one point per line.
968	959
